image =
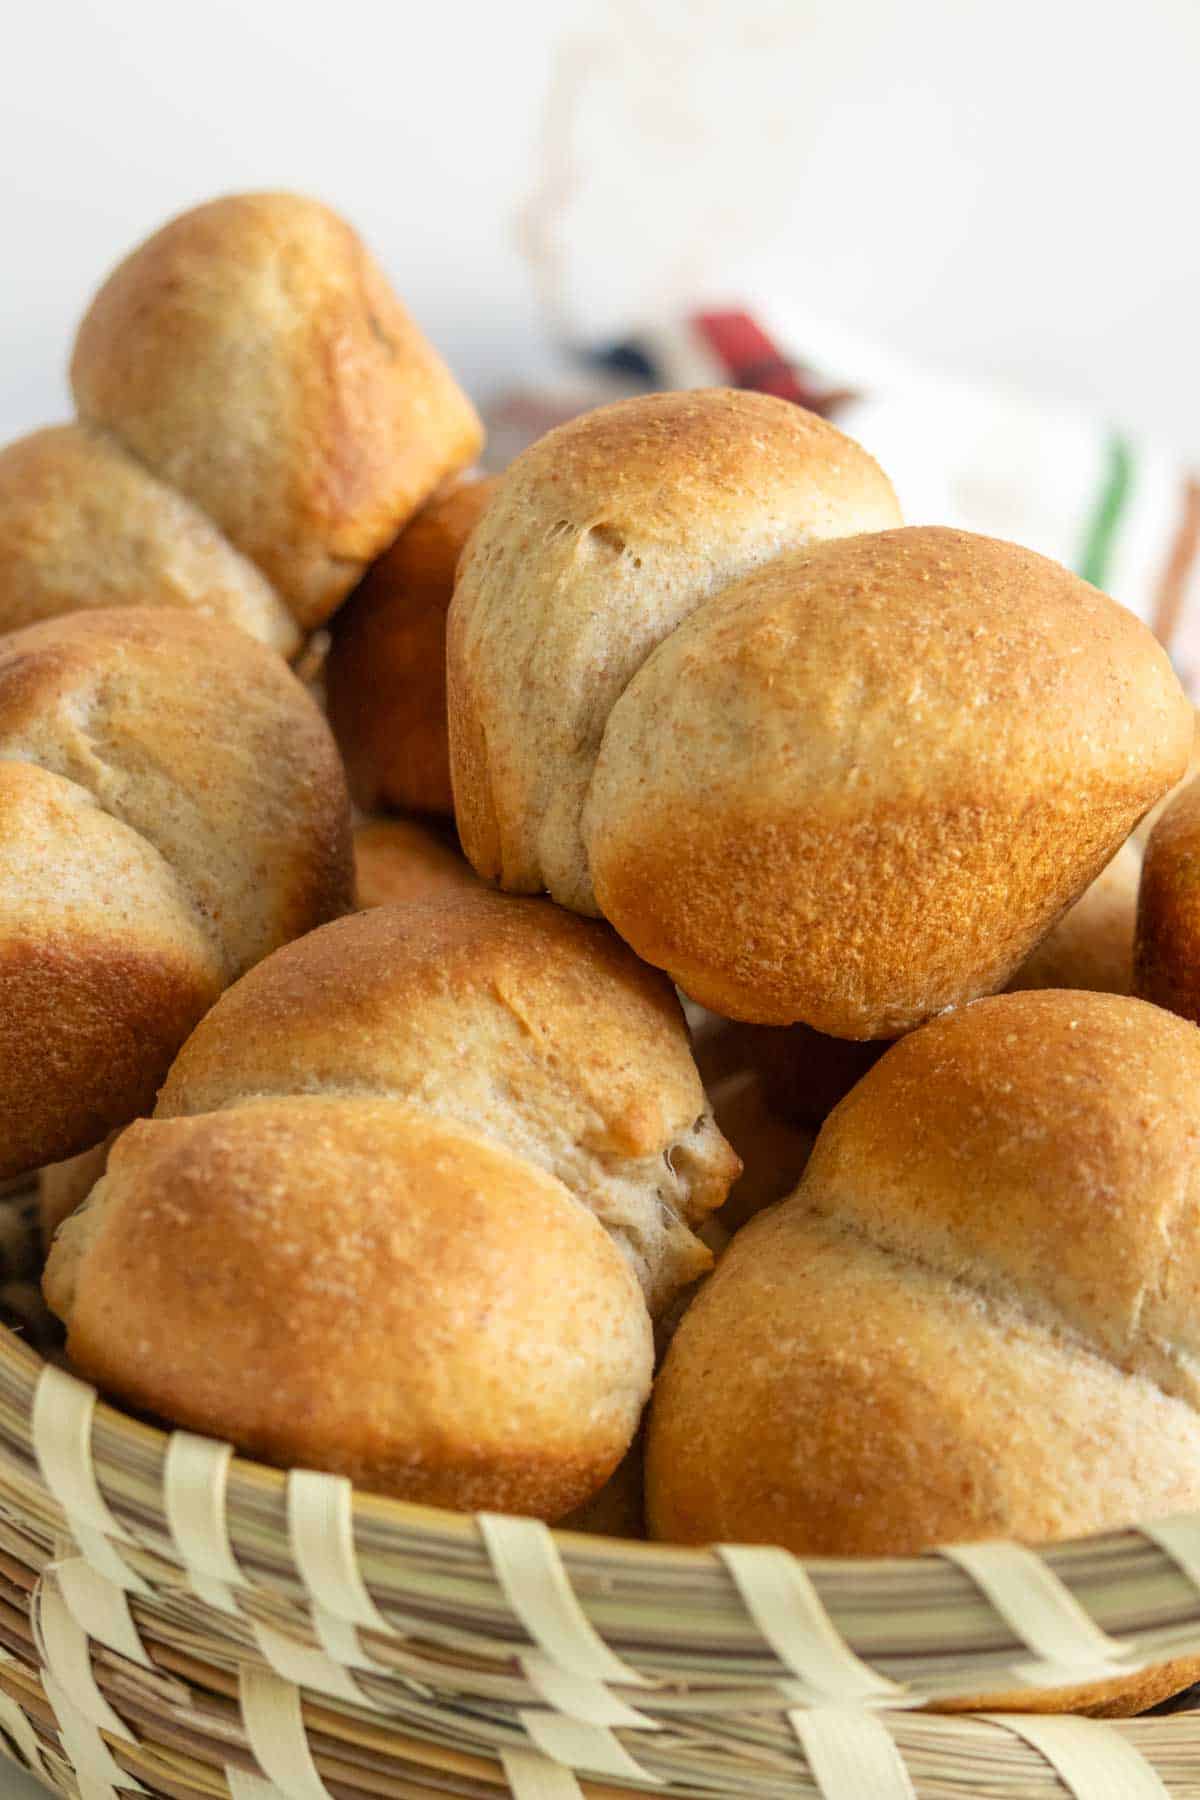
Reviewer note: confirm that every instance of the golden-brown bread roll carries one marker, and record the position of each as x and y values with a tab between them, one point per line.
1167	957
253	356
172	808
385	676
351	1283
599	540
846	783
975	1318
398	860
519	1020
860	787
1092	944
83	524
767	1082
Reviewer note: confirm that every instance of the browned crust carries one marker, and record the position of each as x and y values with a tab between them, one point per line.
475	811
385	677
1167	952
172	808
777	919
1092	944
1121	1698
253	354
88	1028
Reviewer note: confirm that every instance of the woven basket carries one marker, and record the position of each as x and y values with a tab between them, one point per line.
175	1620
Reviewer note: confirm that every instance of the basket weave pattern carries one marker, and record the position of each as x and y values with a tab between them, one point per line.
178	1621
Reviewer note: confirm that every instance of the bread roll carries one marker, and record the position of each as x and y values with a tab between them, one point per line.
1092	944
1167	957
398	860
385	676
513	1018
975	1318
599	541
861	786
350	1283
171	809
83	524
253	356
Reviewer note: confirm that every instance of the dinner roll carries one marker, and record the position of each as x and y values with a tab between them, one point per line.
1168	919
599	540
397	860
83	524
859	787
252	355
385	676
512	1018
171	809
975	1318
354	1284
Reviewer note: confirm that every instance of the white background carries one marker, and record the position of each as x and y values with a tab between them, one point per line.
999	188
1002	188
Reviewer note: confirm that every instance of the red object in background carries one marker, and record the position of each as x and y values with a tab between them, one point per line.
753	360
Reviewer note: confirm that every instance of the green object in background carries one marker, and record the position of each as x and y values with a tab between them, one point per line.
1096	554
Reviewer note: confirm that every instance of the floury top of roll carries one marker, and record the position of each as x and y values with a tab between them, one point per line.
817	767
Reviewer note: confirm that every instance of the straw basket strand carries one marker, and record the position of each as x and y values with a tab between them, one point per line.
179	1621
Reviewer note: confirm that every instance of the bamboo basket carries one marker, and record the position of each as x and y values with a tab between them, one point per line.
178	1621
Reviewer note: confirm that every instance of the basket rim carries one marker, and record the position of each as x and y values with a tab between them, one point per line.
384	1510
380	1509
716	1620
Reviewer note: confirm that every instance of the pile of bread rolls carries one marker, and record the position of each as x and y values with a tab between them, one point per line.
777	985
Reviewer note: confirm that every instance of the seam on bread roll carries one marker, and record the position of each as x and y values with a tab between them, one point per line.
637	514
512	1018
102	766
1004	1301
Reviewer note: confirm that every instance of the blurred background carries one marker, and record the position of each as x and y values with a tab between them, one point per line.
1005	191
